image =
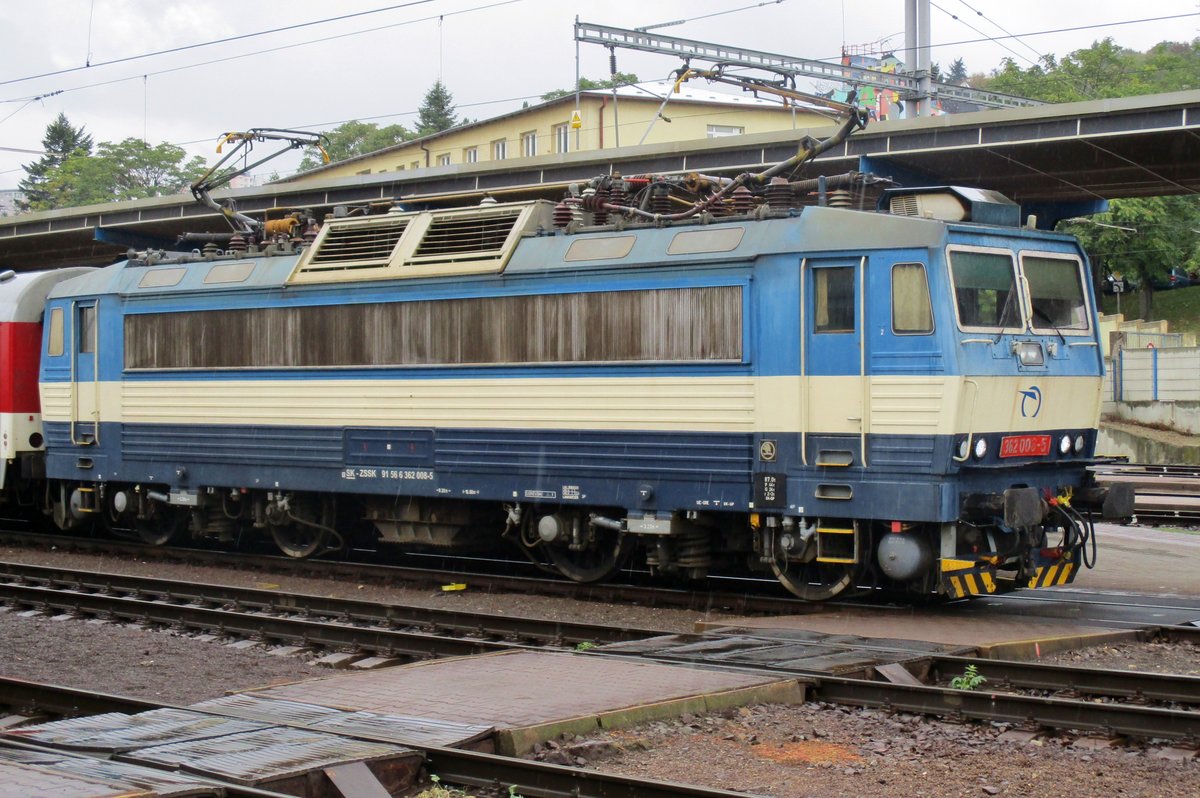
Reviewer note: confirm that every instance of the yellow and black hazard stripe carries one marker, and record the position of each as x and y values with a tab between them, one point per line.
962	578
970	583
1060	573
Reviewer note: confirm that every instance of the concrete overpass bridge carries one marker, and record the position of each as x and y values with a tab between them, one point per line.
1056	160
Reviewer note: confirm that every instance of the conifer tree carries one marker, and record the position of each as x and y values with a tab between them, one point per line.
61	141
437	111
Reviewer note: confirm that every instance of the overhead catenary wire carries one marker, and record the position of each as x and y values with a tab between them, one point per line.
1024	44
1050	31
145	75
182	48
1037	63
961	21
280	48
708	16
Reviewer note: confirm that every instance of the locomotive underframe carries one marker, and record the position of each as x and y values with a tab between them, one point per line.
999	540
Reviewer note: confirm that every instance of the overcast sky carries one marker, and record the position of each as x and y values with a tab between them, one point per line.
490	54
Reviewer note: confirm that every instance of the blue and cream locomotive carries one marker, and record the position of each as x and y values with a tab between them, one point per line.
905	397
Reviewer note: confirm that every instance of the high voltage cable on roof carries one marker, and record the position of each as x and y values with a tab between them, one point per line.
225	40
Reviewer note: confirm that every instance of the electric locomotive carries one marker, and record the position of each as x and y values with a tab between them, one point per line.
905	397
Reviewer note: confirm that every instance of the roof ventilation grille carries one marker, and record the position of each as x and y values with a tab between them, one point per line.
481	235
357	246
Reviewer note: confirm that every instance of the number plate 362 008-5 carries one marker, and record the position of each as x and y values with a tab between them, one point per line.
1025	446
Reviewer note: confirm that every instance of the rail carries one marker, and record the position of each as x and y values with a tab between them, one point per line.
1161	492
151	601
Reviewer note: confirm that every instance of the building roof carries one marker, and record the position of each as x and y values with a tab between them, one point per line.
653	91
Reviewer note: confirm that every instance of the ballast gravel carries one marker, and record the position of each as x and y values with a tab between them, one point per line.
812	750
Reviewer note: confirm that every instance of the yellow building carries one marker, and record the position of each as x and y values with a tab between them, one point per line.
546	129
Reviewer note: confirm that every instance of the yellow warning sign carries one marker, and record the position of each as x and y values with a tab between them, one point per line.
576	120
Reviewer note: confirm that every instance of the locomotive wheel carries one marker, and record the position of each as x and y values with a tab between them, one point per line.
163	526
590	565
299	540
816	581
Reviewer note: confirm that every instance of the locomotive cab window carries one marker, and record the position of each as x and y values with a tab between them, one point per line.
833	303
54	343
912	311
985	290
1056	296
87	329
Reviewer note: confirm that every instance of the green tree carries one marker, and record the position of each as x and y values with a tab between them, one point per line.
61	141
1142	238
125	170
1138	237
958	72
437	111
1103	70
586	84
355	138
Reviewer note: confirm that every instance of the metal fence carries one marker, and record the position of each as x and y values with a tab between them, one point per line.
1154	375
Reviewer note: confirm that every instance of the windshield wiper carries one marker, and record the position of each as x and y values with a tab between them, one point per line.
1039	312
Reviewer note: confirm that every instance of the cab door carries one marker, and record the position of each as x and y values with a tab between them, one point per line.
85	375
834	422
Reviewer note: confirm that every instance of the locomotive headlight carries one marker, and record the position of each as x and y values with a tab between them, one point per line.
964	449
1029	353
980	448
1064	445
1080	442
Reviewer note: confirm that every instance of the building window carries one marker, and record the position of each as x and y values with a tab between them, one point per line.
720	131
471	155
499	150
529	144
415	165
562	138
444	159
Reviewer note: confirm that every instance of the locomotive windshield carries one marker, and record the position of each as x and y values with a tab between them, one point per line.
1055	293
985	290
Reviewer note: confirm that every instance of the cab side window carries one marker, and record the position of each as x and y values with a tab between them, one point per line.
912	311
834	300
54	344
87	329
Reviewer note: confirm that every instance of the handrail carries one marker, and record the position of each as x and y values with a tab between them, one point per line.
970	420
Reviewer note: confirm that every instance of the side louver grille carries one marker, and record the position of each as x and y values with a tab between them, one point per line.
905	205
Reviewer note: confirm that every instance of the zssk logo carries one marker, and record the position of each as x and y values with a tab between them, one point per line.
1031	402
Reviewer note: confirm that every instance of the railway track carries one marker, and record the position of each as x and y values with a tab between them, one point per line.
1162	492
767	598
367	627
740	597
388	630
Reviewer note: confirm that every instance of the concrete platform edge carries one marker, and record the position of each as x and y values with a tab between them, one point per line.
520	741
1037	646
